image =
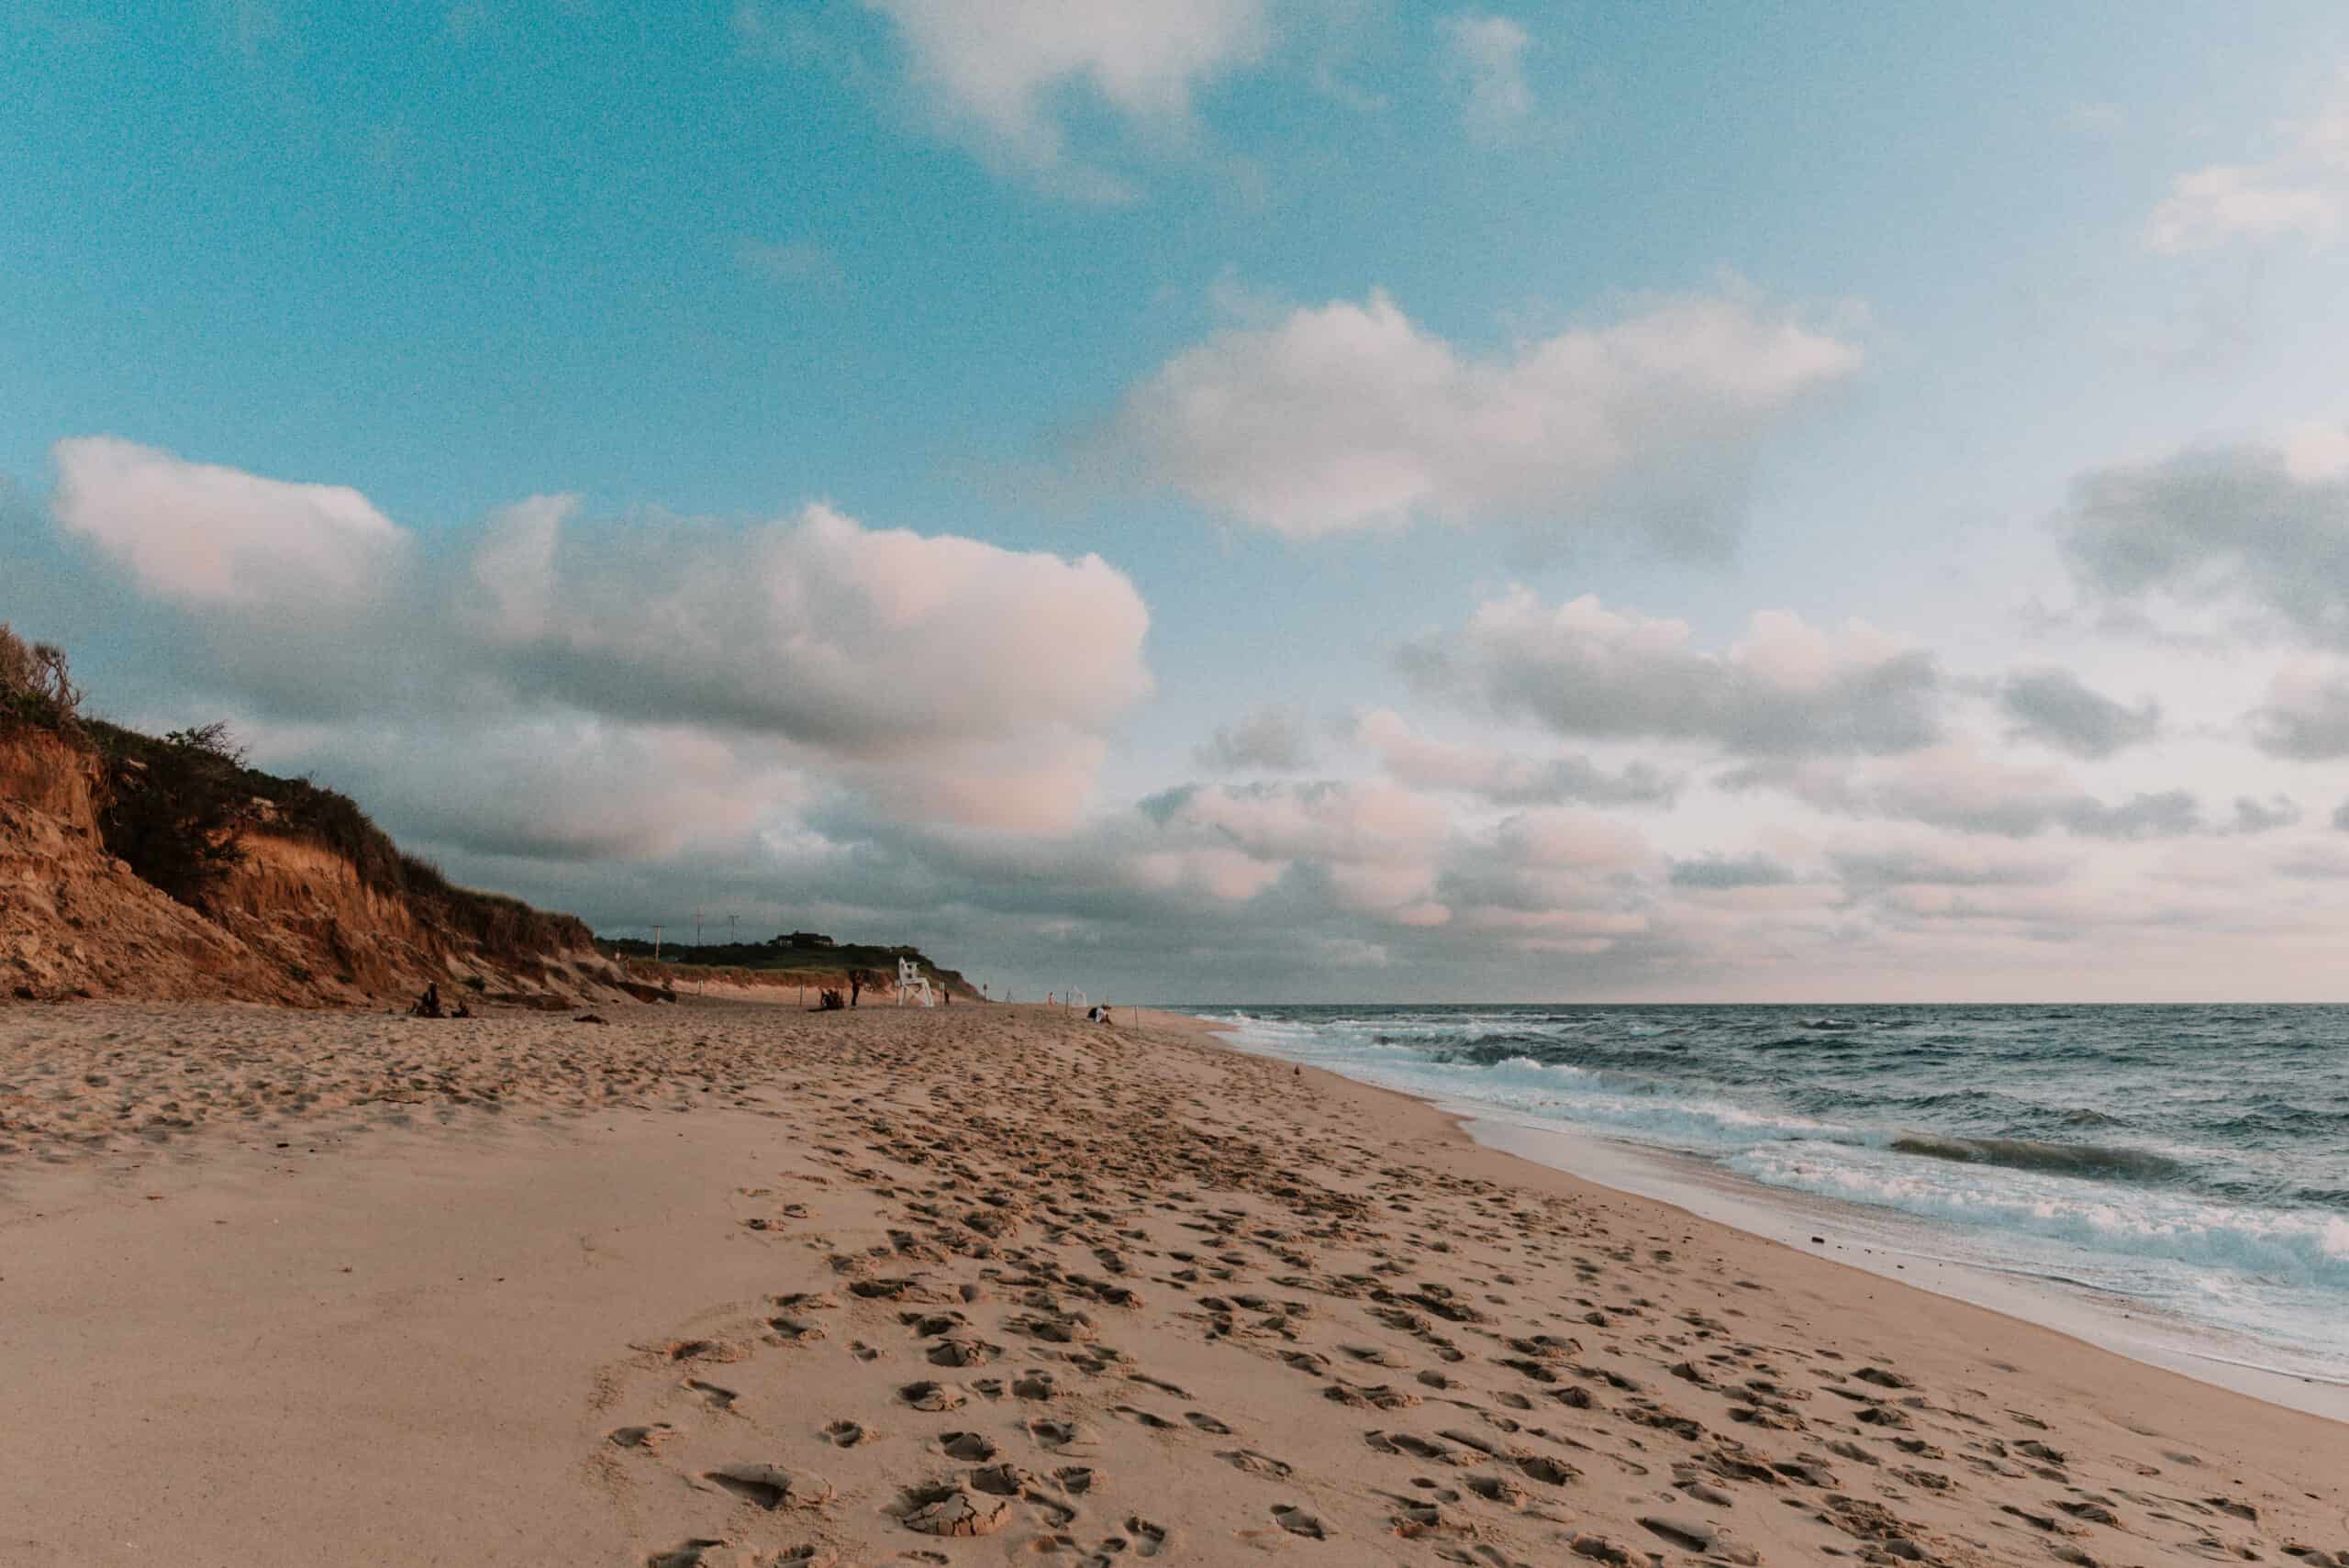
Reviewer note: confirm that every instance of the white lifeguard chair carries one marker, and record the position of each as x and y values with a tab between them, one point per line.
912	982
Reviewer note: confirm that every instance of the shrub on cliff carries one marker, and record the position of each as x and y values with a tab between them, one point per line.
176	808
36	687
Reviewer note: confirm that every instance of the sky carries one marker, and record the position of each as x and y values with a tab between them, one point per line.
1252	500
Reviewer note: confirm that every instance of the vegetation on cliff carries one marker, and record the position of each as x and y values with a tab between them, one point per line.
36	690
783	959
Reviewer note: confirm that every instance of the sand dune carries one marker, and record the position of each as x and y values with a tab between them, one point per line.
734	1285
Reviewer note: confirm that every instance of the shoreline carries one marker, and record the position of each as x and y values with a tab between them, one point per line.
1875	1242
731	1285
1892	1247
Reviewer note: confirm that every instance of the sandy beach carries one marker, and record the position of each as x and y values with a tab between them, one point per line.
730	1283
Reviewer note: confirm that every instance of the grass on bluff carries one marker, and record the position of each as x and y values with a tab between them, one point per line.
37	689
781	960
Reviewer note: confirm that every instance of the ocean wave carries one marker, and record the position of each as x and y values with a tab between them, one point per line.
2274	1246
2030	1154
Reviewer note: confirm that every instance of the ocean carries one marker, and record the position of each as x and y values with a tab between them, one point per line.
2188	1163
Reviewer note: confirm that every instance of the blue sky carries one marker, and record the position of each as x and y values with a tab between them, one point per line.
1335	330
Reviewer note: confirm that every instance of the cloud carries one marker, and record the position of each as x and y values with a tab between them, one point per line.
1954	786
1788	689
1376	845
2263	526
2228	202
1935	861
870	641
2302	194
2305	717
1506	778
2165	814
1271	738
1487	54
2054	707
1348	417
198	535
1713	874
998	75
1552	880
2252	816
937	676
559	787
2315	452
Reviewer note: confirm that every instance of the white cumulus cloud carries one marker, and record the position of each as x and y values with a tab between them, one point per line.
1351	416
934	676
996	72
1788	689
2302	194
198	534
1487	54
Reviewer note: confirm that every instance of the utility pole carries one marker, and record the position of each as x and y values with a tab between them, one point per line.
656	944
730	931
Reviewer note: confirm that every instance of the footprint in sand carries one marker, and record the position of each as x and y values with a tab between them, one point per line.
812	1556
932	1396
1059	1436
711	1394
772	1489
1207	1423
1007	1480
1149	1539
1160	1383
1502	1489
972	1447
647	1438
809	1301
1255	1463
1143	1418
1297	1521
951	1511
1416	1447
845	1434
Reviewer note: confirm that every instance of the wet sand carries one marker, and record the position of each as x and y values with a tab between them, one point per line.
735	1285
